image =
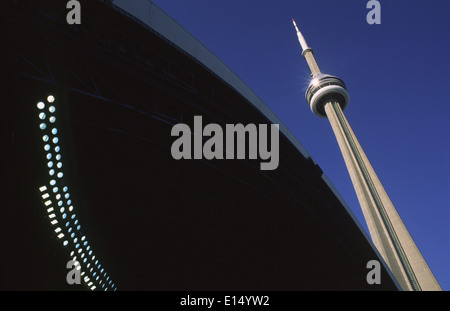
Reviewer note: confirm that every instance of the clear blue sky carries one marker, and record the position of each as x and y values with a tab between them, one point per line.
397	74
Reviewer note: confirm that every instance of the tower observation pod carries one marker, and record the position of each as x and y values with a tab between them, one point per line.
327	97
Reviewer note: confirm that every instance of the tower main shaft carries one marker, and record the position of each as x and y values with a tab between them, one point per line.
327	96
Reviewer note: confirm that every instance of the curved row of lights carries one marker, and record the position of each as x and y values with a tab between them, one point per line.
60	211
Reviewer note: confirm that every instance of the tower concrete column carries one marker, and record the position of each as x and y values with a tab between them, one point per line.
386	228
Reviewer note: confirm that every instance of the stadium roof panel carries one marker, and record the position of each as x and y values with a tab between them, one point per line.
150	14
154	17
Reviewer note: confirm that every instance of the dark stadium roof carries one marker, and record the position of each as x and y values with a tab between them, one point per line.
120	83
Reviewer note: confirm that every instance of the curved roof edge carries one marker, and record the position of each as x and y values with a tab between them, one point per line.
154	17
150	14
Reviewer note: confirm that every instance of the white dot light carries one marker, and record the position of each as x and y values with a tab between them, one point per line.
80	244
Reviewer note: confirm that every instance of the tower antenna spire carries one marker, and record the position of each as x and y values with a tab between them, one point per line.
307	52
301	39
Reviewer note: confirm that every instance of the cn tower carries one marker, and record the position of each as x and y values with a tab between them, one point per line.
327	97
